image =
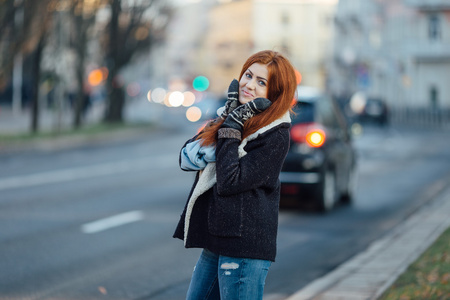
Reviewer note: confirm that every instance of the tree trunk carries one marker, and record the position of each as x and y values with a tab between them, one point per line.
117	103
36	75
80	102
116	99
116	95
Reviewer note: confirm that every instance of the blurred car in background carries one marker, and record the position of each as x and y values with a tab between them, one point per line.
375	111
367	109
320	167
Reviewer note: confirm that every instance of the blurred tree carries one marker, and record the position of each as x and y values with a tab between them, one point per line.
7	12
83	15
36	24
134	26
24	26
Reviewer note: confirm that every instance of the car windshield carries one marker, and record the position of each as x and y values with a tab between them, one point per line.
304	113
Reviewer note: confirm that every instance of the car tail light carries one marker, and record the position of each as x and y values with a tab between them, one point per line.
312	134
315	138
290	189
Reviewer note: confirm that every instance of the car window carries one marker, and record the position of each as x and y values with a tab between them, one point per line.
304	113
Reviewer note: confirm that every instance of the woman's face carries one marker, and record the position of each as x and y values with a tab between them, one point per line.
253	83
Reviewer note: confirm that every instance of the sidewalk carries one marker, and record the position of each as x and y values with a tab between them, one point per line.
370	273
135	111
14	123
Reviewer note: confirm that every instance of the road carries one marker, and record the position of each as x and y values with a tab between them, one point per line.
95	222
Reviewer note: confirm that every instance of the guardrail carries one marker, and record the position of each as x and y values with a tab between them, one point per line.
421	117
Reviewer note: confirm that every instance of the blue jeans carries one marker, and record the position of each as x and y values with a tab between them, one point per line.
227	278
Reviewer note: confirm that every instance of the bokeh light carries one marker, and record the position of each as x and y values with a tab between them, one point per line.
177	84
176	99
356	129
358	102
200	83
189	99
294	101
166	99
95	77
298	77
149	96
193	113
158	95
133	89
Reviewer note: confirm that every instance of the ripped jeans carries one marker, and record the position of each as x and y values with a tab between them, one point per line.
227	278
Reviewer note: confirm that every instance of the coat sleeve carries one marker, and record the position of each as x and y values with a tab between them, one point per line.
259	168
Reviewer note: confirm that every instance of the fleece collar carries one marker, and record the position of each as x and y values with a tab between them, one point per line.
286	118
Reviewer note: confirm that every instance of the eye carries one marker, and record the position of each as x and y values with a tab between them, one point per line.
262	83
248	75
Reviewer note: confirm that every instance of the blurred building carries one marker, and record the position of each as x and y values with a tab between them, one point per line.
398	50
229	42
302	29
181	59
218	46
429	64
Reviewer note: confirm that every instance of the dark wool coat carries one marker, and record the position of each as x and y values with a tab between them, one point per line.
232	209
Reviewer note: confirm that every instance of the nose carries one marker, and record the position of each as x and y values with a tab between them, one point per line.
251	84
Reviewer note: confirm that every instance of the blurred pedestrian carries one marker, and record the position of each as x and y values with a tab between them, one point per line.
232	209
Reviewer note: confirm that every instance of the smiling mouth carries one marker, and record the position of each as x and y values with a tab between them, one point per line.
247	94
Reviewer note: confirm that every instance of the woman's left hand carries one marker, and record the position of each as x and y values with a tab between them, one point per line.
242	113
232	100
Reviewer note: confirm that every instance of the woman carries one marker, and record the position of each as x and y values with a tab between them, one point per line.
232	209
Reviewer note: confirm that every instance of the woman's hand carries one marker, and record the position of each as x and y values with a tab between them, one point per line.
242	113
232	102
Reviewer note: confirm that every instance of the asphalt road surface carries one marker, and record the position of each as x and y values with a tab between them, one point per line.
96	222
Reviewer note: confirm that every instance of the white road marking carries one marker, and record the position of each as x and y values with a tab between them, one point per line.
275	297
113	221
87	172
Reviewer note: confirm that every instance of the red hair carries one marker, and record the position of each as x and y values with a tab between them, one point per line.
281	89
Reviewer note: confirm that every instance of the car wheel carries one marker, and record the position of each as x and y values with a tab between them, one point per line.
327	194
349	194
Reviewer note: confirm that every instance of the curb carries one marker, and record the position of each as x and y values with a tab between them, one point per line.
369	274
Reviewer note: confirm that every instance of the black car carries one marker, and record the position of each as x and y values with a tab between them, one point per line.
320	167
375	111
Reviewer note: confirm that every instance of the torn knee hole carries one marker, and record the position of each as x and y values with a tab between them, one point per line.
229	266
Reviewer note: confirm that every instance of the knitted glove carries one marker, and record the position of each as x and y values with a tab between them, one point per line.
242	113
232	102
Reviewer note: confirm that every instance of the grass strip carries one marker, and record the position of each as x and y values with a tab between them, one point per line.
428	277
